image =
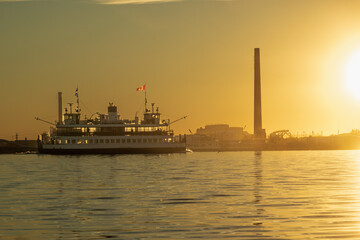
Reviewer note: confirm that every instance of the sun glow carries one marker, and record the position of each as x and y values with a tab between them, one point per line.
352	73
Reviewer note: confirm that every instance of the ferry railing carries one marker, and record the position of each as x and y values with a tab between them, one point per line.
90	134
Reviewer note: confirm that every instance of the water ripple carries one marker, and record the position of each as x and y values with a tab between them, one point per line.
238	195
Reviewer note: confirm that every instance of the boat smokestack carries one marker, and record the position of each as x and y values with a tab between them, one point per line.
259	132
59	108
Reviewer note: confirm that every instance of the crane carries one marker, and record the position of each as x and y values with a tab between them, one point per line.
45	121
169	123
178	120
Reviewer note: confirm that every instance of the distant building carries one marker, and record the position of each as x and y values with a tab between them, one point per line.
197	142
216	137
17	146
223	132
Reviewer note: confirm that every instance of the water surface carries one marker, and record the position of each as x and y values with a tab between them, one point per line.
239	195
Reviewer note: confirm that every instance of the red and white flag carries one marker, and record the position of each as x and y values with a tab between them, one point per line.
142	88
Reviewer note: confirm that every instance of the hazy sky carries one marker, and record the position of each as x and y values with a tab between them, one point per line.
195	56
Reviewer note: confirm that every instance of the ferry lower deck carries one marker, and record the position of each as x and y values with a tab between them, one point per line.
114	145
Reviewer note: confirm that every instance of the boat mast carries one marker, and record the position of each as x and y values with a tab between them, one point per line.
146	110
77	99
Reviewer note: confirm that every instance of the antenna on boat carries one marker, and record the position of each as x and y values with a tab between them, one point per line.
152	107
70	105
77	99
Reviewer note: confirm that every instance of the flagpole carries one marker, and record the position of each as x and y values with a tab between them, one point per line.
145	101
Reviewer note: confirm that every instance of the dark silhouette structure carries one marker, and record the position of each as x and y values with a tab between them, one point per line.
259	132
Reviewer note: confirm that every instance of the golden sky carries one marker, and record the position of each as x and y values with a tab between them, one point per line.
195	56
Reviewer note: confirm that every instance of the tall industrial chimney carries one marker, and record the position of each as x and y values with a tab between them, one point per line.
259	132
60	108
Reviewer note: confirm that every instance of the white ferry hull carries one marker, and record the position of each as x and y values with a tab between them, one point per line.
113	151
56	149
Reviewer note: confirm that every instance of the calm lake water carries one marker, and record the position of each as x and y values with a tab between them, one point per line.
239	195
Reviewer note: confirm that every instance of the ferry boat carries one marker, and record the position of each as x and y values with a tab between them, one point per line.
110	134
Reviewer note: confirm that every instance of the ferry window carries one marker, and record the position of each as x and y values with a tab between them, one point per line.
112	140
128	140
90	141
134	140
123	140
86	141
144	140
117	140
101	140
139	140
73	141
96	141
155	140
150	140
106	140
